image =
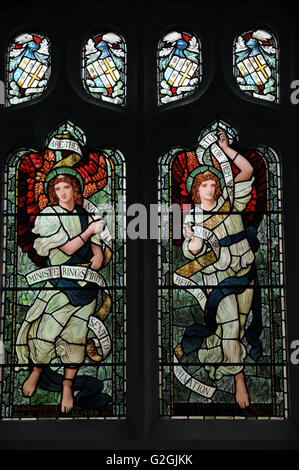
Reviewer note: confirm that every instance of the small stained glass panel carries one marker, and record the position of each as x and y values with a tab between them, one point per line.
104	67
255	64
179	66
28	68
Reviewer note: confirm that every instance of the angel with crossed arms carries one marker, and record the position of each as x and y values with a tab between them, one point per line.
57	323
217	244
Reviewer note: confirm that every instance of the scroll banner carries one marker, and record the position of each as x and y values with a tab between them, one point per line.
193	289
78	273
190	382
96	214
210	140
64	144
205	234
99	329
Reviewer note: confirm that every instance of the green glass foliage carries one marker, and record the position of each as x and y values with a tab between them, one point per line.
103	369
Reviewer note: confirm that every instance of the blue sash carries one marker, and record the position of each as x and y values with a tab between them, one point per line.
195	334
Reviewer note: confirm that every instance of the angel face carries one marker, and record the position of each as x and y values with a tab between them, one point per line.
207	190
206	187
65	193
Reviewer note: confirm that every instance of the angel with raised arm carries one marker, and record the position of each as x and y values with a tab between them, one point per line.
218	245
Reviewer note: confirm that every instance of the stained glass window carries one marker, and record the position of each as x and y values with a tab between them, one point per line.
179	66
255	64
104	67
222	334
28	68
63	300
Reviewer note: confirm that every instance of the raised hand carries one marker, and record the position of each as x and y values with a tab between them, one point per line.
188	230
222	139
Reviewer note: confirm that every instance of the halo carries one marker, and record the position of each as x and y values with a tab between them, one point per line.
63	171
203	169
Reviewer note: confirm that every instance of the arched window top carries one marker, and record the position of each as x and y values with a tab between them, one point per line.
179	66
28	68
256	64
104	60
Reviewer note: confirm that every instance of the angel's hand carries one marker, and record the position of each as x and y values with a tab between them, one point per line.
188	231
96	262
97	226
222	139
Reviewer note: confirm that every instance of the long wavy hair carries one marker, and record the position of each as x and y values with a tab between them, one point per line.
198	180
53	198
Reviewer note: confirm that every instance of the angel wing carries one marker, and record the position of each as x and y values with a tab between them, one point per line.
182	166
256	207
32	171
94	173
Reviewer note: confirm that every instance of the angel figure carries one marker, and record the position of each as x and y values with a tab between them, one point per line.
219	246
65	235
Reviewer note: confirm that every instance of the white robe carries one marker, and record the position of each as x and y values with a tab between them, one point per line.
235	260
53	328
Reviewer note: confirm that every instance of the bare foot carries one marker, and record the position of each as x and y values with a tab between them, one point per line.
29	386
242	397
67	401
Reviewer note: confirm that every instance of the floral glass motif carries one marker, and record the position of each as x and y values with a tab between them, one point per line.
255	64
63	301
179	66
104	67
222	334
28	68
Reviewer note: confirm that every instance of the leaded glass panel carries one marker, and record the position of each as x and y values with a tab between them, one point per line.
179	66
28	67
222	334
64	276
256	65
104	67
